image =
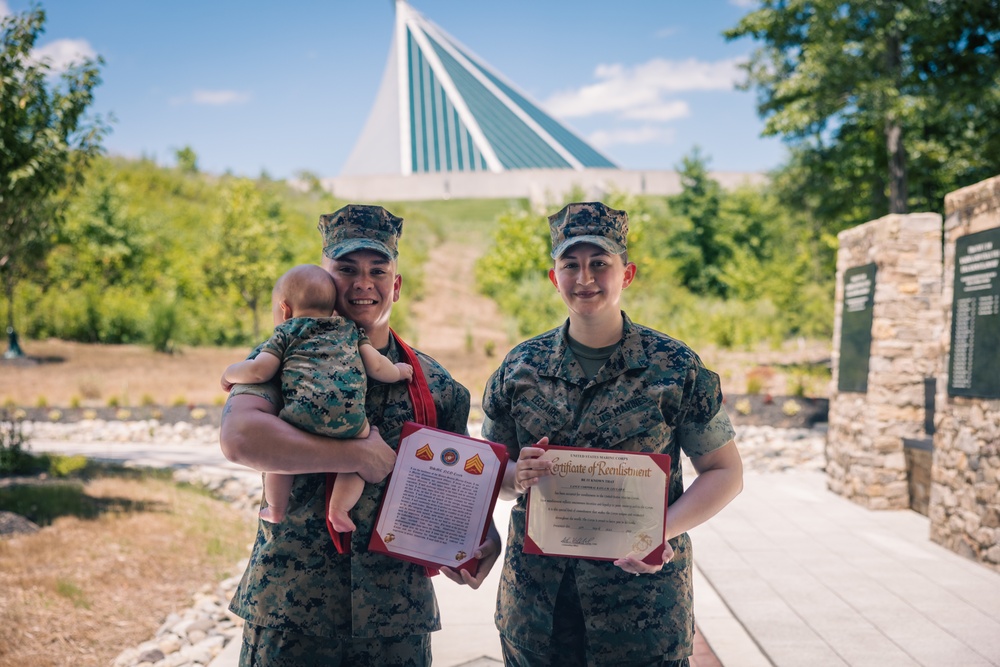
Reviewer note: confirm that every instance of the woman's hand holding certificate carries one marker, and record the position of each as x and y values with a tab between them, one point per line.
596	504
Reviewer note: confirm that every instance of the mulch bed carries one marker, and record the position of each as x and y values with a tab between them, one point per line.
777	411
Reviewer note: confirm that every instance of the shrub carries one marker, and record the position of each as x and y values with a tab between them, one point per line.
163	325
791	408
64	466
14	458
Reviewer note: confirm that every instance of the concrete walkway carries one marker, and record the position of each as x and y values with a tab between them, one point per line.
817	580
788	575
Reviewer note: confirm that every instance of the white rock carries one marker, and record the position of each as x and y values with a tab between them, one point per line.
170	643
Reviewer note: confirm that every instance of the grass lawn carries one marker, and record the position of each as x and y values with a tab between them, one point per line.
118	551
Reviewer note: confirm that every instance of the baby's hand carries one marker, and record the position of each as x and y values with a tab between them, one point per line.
405	371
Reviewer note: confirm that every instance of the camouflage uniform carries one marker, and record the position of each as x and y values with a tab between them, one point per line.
303	602
296	581
652	395
321	367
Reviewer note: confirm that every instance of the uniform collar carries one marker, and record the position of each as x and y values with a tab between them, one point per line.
563	365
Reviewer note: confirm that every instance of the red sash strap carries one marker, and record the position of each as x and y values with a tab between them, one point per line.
424	413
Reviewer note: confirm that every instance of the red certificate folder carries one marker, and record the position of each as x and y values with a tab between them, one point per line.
597	494
439	500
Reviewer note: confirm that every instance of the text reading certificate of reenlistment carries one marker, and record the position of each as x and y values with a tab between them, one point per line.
599	504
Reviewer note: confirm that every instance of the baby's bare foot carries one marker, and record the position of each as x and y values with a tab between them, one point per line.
272	514
341	521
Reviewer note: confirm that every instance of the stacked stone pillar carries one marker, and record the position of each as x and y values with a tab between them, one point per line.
871	421
965	490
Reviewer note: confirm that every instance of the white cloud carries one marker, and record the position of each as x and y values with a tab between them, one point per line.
660	112
4	9
62	53
214	98
625	90
666	32
646	134
743	4
219	98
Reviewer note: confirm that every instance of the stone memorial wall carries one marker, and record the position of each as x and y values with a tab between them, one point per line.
965	488
887	344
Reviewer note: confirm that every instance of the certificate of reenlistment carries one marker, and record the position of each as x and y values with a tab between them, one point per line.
600	504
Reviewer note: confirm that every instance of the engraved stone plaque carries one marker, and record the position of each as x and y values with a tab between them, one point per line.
974	366
856	328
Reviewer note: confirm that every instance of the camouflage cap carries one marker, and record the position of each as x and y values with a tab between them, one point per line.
360	227
589	222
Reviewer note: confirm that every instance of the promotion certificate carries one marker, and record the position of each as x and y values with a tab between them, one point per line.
600	504
440	497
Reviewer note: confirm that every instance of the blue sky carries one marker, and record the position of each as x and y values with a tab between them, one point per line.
282	87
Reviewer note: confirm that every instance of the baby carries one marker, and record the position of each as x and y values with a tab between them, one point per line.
323	360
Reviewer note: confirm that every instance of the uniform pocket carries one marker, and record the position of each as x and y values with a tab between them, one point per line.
537	417
640	428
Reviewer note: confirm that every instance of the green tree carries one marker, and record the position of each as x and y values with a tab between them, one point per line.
520	251
251	250
187	160
514	272
887	104
100	242
700	250
45	138
100	256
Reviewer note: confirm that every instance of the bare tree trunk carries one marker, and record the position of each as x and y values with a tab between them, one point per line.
14	350
8	285
897	167
898	194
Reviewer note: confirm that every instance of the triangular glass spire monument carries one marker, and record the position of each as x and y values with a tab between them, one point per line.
442	109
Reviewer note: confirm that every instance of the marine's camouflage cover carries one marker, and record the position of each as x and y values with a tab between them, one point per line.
653	395
589	222
360	227
296	581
